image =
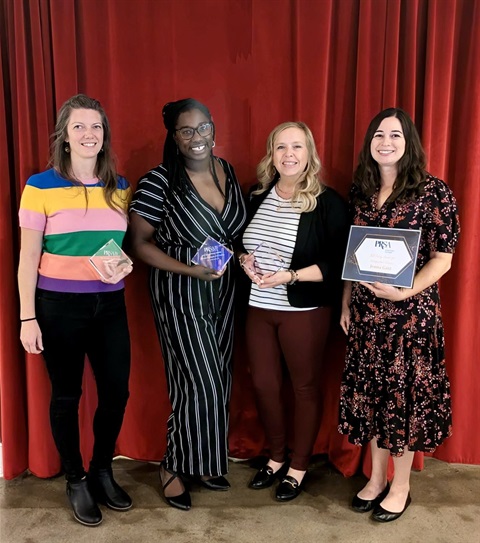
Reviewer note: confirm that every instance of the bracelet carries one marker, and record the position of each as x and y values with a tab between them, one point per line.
26	320
294	275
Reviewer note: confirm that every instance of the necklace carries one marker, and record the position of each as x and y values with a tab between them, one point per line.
282	203
288	193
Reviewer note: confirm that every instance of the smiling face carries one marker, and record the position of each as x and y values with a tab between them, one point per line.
198	147
388	143
290	153
84	133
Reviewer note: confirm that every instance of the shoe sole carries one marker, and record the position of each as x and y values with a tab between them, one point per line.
260	487
89	524
102	501
177	506
115	508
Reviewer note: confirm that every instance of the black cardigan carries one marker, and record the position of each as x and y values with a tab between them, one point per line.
321	239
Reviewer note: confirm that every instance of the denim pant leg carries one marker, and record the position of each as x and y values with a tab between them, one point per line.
63	319
109	353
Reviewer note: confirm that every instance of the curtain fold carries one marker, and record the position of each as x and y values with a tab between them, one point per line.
255	63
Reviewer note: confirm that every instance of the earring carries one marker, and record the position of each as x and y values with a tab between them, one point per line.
213	144
67	147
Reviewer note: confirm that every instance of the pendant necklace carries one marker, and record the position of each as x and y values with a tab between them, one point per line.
283	203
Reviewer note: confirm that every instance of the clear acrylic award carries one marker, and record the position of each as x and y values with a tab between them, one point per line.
212	254
267	260
110	262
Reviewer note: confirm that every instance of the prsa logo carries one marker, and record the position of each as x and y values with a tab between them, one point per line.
383	244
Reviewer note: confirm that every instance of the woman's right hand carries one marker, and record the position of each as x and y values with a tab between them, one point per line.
345	319
247	262
31	337
205	274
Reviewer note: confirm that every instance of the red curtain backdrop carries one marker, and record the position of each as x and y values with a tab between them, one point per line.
331	63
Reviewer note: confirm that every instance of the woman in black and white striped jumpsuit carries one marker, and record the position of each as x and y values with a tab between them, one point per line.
190	196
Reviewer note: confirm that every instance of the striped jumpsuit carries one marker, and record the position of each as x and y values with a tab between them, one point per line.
194	318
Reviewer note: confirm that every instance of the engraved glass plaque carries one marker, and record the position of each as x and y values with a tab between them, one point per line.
267	260
110	262
213	255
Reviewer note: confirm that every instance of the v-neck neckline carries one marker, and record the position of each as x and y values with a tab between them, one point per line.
202	199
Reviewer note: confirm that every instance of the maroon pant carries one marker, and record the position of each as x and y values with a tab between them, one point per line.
300	336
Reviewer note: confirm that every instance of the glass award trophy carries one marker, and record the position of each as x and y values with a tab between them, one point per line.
267	260
212	254
110	262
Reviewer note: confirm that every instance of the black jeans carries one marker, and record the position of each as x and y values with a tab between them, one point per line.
75	325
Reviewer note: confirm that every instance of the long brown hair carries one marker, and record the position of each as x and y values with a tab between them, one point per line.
411	174
105	169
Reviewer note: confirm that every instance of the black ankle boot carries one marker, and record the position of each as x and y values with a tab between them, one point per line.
85	509
106	491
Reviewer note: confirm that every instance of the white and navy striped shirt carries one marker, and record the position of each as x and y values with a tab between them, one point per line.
274	228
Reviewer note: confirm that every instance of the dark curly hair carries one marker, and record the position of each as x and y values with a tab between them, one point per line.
411	175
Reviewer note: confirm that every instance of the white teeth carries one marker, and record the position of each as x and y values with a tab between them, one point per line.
89	144
199	148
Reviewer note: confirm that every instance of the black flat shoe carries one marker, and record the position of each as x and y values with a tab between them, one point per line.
288	489
182	501
363	506
107	491
215	483
265	477
382	515
85	509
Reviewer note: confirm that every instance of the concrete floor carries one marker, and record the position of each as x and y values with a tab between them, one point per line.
445	509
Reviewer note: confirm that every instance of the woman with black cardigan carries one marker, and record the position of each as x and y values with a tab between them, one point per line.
293	249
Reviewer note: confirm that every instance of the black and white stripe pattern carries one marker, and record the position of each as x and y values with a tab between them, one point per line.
275	224
194	319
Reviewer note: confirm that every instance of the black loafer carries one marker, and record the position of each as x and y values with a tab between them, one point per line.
107	491
288	489
363	506
85	509
382	515
215	483
264	478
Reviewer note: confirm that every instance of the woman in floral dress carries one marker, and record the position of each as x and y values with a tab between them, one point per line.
395	392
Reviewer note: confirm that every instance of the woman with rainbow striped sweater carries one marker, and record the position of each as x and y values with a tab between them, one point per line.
67	213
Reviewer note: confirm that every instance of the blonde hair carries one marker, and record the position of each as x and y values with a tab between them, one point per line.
309	186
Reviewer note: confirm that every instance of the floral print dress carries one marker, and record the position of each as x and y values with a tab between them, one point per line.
395	386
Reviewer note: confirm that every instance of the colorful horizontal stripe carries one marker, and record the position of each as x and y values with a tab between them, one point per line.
49	201
80	243
77	268
76	224
61	285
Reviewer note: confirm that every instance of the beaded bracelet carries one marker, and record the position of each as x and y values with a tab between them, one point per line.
30	319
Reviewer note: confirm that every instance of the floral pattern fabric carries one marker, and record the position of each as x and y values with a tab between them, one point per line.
395	386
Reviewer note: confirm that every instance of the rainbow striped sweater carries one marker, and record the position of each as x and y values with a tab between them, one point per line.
72	231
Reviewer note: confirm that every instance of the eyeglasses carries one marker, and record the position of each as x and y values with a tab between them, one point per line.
203	129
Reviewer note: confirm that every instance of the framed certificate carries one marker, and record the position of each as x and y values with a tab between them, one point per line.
386	255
